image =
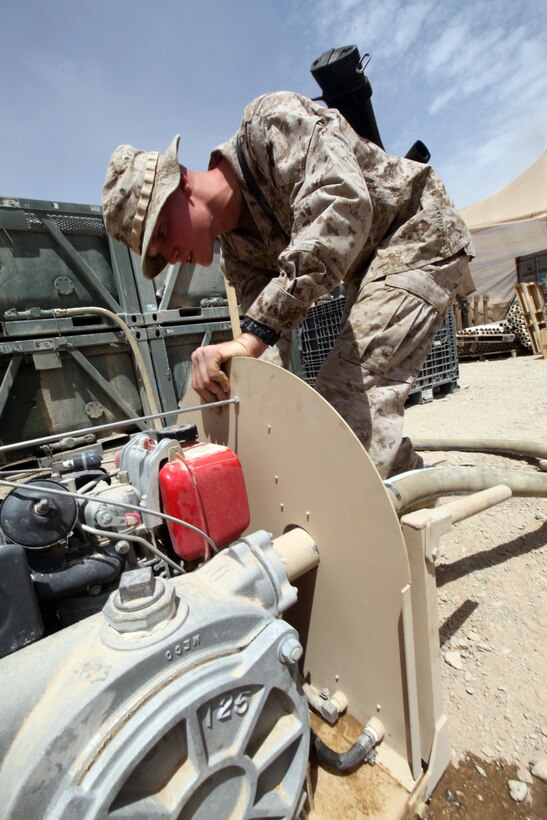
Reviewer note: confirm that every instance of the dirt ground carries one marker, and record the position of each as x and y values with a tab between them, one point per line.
492	595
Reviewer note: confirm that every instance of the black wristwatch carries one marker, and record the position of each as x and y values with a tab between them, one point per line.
269	336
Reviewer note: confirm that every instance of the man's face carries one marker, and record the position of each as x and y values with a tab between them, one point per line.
183	232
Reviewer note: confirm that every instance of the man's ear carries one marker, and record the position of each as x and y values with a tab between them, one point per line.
184	185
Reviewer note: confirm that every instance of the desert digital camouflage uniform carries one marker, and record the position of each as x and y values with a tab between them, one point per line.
345	211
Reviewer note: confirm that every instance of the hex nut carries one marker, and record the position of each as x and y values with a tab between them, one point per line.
290	651
122	547
104	517
149	613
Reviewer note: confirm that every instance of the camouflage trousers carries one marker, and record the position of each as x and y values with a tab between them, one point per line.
387	330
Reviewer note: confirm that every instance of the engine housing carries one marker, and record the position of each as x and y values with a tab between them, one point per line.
201	715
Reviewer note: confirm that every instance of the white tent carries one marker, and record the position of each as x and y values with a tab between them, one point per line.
510	223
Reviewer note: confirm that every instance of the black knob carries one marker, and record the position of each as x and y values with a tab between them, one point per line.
179	432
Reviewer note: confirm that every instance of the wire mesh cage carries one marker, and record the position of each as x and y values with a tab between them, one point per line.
318	332
441	366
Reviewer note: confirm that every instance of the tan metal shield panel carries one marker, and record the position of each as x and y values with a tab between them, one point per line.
304	466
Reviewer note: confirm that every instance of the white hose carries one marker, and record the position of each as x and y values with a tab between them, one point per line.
424	485
528	449
139	361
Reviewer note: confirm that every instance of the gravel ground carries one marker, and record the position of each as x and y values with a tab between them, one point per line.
492	595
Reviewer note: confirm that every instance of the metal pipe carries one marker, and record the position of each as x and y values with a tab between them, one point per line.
298	552
476	502
114	425
23	472
425	485
118	536
139	361
233	309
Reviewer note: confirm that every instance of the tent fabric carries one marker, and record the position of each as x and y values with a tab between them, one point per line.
496	248
508	224
524	198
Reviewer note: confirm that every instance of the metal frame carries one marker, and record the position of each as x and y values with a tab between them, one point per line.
13	216
163	338
45	354
422	531
369	619
316	335
159	310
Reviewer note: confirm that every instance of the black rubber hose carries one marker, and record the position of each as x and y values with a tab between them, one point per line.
342	761
61	576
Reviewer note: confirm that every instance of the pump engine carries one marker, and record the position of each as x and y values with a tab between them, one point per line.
225	729
169	504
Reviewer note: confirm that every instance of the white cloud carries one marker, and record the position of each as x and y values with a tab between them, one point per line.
389	28
410	25
442	99
451	41
470	77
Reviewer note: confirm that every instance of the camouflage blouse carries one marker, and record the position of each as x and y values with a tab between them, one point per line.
344	209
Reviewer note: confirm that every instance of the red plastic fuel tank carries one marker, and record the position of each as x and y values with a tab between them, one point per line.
204	486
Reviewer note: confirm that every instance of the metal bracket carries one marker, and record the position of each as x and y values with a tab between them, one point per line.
330	707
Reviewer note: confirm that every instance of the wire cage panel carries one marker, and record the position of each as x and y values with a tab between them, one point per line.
318	332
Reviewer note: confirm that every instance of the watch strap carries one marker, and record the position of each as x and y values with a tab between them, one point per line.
265	333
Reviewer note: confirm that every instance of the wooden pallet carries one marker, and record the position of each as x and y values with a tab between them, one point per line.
477	311
532	303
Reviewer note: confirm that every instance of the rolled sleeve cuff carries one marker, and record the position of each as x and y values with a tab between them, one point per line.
277	309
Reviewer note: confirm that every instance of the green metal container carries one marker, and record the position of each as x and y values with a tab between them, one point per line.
182	293
66	383
57	255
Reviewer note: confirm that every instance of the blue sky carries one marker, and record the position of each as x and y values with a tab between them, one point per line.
79	77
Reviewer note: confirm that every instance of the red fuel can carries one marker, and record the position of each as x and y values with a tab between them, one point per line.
205	487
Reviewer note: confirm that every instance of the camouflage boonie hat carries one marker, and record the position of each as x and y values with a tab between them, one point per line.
136	188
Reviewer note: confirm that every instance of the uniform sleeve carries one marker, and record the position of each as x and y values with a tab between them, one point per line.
331	216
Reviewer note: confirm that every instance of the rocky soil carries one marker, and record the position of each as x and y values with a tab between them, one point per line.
492	596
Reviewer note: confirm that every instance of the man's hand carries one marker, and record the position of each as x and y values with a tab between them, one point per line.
208	379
